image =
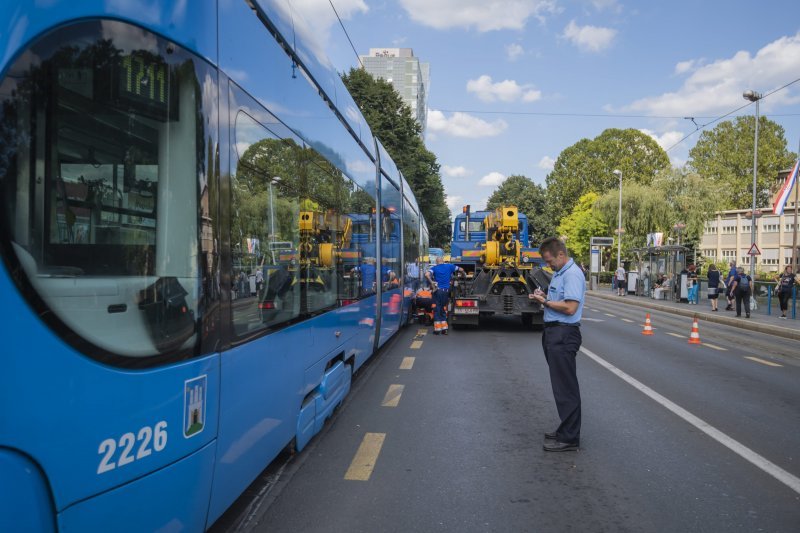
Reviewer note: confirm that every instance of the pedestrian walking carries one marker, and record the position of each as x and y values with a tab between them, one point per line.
692	284
619	277
439	278
714	282
742	287
561	339
785	284
729	279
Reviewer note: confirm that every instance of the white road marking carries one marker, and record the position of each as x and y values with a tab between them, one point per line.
676	335
743	451
714	346
609	314
592	319
762	361
629	321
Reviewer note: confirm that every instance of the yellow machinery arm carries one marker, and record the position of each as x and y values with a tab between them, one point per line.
335	232
502	244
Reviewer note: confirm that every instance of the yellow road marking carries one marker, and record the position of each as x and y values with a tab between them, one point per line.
366	457
609	314
720	348
422	331
416	345
676	334
627	320
762	361
407	363
392	397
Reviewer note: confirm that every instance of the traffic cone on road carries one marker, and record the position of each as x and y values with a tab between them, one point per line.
694	337
648	329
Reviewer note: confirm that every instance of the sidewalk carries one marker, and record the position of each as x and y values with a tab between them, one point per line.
761	323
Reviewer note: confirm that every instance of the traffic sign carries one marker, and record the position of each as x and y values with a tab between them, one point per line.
754	250
602	241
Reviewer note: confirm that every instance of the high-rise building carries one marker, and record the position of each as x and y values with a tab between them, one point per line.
407	75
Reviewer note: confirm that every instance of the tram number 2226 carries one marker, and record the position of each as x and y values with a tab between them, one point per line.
157	436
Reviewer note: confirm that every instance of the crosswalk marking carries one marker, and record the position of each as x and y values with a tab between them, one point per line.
416	345
407	363
392	397
366	457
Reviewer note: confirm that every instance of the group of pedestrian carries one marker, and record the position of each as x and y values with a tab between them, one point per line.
738	288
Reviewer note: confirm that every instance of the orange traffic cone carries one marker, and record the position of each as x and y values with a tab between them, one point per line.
694	338
648	329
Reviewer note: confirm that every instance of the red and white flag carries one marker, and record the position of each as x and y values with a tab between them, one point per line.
783	195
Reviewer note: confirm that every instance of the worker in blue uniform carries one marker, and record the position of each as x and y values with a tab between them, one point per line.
439	277
561	339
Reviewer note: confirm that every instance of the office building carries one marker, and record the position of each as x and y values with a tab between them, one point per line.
409	77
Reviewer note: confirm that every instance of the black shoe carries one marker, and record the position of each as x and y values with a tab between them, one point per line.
557	446
444	332
550	435
747	315
435	332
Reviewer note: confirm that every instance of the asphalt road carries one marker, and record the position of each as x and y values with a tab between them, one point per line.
458	446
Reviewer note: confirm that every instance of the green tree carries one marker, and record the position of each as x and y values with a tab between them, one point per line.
581	225
724	156
531	199
391	121
588	165
676	195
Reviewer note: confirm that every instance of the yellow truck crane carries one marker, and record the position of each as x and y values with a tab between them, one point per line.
312	277
501	269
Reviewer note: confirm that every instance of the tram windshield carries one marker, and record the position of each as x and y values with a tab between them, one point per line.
103	153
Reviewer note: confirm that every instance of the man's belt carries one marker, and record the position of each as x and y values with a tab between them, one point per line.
554	324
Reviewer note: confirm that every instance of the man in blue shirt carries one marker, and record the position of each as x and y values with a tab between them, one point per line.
439	277
561	339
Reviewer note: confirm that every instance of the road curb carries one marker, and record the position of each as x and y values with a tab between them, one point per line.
740	323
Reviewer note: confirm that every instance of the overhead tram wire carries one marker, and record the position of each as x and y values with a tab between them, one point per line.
345	33
732	112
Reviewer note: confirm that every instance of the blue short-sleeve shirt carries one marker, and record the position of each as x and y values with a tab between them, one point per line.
567	284
441	274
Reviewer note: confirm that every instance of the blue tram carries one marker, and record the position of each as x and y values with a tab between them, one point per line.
179	187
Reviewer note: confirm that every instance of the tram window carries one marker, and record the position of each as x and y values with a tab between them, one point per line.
102	124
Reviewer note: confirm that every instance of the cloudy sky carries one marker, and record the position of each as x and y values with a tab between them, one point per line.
514	82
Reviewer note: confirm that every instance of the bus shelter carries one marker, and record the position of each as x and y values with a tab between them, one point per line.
658	271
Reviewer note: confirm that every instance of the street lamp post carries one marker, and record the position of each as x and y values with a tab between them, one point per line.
754	96
275	179
618	173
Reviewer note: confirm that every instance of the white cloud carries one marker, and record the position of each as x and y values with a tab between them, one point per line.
312	21
514	51
667	139
547	163
464	125
589	38
717	87
506	90
492	179
685	66
483	15
454	172
453	201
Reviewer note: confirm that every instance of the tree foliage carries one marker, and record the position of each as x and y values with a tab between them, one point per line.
724	156
588	165
530	199
391	121
675	196
581	225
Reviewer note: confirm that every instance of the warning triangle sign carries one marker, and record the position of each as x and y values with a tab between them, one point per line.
754	250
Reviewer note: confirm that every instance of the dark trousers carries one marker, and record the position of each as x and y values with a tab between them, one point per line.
742	295
784	297
441	297
561	344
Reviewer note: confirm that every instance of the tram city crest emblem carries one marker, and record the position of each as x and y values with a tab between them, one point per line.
194	405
